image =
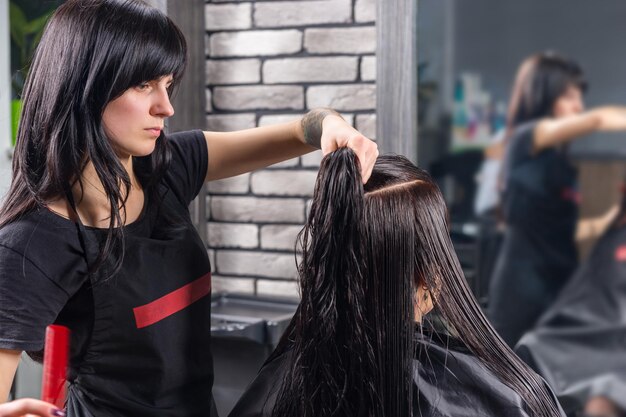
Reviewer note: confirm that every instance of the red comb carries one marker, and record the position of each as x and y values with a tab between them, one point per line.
55	358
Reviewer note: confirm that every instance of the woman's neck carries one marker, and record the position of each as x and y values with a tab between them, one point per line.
93	205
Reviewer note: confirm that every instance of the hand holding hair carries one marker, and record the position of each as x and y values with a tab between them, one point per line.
325	129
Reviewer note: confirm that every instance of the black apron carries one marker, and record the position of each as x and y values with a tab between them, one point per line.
538	253
579	344
147	351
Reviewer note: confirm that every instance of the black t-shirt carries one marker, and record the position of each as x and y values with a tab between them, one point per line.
540	198
140	339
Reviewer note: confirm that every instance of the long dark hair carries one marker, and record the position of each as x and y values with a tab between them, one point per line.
90	53
365	251
541	79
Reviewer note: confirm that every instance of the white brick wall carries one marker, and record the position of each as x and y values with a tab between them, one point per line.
268	62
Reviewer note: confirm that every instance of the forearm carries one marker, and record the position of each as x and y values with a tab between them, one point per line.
9	360
233	153
593	227
611	118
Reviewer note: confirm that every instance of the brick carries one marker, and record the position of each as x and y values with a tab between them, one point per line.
232	235
365	11
354	40
239	184
289	289
274	119
302	13
312	159
366	124
227	16
233	71
259	97
343	97
220	283
283	182
315	69
209	101
252	209
368	68
252	263
230	122
281	237
255	42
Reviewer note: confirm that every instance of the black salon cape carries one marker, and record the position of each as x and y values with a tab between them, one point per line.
141	339
449	382
579	345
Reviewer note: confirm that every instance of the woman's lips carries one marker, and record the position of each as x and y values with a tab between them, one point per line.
156	131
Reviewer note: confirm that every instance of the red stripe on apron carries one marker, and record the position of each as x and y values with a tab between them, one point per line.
173	302
620	253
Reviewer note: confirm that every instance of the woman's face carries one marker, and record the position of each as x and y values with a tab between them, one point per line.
569	103
134	120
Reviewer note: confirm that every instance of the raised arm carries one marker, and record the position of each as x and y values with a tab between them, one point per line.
234	153
552	132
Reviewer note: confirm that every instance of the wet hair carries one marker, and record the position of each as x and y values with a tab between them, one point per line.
541	80
91	52
365	252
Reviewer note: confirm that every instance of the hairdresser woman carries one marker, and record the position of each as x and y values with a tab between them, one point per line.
95	233
540	195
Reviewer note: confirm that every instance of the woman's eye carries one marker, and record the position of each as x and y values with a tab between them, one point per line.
143	86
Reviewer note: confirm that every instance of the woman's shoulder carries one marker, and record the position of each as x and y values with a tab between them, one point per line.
39	236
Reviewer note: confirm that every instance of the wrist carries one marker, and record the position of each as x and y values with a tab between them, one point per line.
312	125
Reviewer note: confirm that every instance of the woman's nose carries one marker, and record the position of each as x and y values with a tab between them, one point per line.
162	106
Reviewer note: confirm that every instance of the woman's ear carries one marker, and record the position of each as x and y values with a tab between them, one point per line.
423	302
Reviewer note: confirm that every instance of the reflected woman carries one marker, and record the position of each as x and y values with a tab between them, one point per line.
540	197
363	341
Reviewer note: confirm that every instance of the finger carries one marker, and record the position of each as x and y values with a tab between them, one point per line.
366	172
19	408
329	144
366	152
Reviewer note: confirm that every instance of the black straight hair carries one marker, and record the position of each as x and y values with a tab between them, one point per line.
90	53
541	79
365	252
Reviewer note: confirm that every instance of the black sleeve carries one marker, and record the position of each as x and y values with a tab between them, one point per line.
29	301
521	143
189	163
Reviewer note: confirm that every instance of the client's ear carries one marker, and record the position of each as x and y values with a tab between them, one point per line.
423	302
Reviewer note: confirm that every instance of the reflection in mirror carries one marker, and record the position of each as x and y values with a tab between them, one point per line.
521	122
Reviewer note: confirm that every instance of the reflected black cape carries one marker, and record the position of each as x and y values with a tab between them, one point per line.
449	380
579	344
